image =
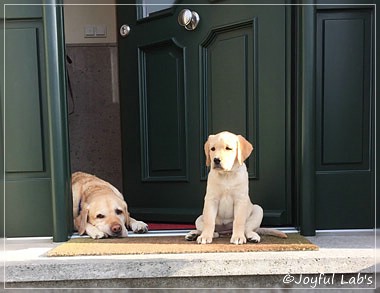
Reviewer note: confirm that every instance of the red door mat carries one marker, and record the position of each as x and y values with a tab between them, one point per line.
170	226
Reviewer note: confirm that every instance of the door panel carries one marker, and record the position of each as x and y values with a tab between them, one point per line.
225	106
344	172
25	140
180	86
162	159
26	134
345	133
28	208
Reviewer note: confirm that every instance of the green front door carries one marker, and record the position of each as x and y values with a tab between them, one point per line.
33	109
26	140
178	86
345	191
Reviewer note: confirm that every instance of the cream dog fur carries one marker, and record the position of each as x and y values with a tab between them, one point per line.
99	208
227	205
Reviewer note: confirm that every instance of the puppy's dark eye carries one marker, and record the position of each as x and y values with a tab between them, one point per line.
212	149
228	149
100	216
118	212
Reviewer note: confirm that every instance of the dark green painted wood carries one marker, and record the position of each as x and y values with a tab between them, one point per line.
220	99
344	200
163	159
25	112
28	208
23	9
264	120
2	176
343	104
306	103
56	94
227	69
344	136
376	150
37	203
24	139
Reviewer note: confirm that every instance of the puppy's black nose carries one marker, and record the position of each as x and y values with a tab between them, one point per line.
217	161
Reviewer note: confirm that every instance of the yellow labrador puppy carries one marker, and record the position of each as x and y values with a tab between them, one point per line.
227	205
99	208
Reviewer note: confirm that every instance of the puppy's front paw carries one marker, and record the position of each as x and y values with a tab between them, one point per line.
139	227
238	239
204	239
192	235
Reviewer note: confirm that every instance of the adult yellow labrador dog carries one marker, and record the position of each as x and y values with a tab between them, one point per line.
227	205
99	208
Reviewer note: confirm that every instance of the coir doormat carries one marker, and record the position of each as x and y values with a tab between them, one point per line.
175	244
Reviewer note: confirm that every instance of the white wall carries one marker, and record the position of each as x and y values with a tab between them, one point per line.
77	17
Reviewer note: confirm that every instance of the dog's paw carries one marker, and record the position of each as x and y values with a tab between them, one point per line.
139	227
238	239
192	235
94	232
98	235
253	238
204	239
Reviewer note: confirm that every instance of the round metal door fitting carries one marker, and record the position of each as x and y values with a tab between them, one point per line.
125	30
188	19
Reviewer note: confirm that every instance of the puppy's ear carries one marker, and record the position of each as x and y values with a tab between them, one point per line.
125	207
244	149
207	151
80	222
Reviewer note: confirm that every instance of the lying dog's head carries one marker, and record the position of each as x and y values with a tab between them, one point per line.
225	149
108	213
